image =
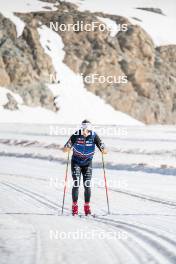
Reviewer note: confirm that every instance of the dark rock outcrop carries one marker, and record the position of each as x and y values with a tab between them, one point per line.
12	103
152	9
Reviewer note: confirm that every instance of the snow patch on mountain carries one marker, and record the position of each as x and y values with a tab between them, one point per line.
159	27
74	101
17	21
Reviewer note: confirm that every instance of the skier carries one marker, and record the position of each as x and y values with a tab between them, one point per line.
83	142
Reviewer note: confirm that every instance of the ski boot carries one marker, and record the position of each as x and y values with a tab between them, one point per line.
87	210
74	208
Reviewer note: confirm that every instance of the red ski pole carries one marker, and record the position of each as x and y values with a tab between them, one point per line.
65	182
106	186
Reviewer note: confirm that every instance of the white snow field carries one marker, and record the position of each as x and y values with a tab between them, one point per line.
141	175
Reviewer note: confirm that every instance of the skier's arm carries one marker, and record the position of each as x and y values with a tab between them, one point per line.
69	143
100	144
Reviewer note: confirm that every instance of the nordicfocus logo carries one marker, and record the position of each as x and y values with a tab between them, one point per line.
121	183
81	26
88	234
107	131
96	78
93	78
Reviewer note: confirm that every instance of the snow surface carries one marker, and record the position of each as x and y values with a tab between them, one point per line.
142	200
159	27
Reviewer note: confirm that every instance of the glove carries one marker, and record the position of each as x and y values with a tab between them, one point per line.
66	149
104	151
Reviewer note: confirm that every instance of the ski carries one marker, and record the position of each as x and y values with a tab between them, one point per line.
90	215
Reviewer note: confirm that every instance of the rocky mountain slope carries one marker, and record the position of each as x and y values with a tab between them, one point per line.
150	93
24	67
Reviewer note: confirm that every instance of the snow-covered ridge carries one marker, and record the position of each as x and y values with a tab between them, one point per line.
159	27
8	8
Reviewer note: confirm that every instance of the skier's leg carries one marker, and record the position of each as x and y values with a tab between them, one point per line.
87	175
76	175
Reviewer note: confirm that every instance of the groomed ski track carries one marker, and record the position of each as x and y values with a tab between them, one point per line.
30	211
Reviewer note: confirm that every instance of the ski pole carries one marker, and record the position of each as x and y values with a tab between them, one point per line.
65	182
106	187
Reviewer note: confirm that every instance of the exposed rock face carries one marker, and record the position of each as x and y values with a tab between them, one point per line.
150	93
24	67
137	44
4	77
